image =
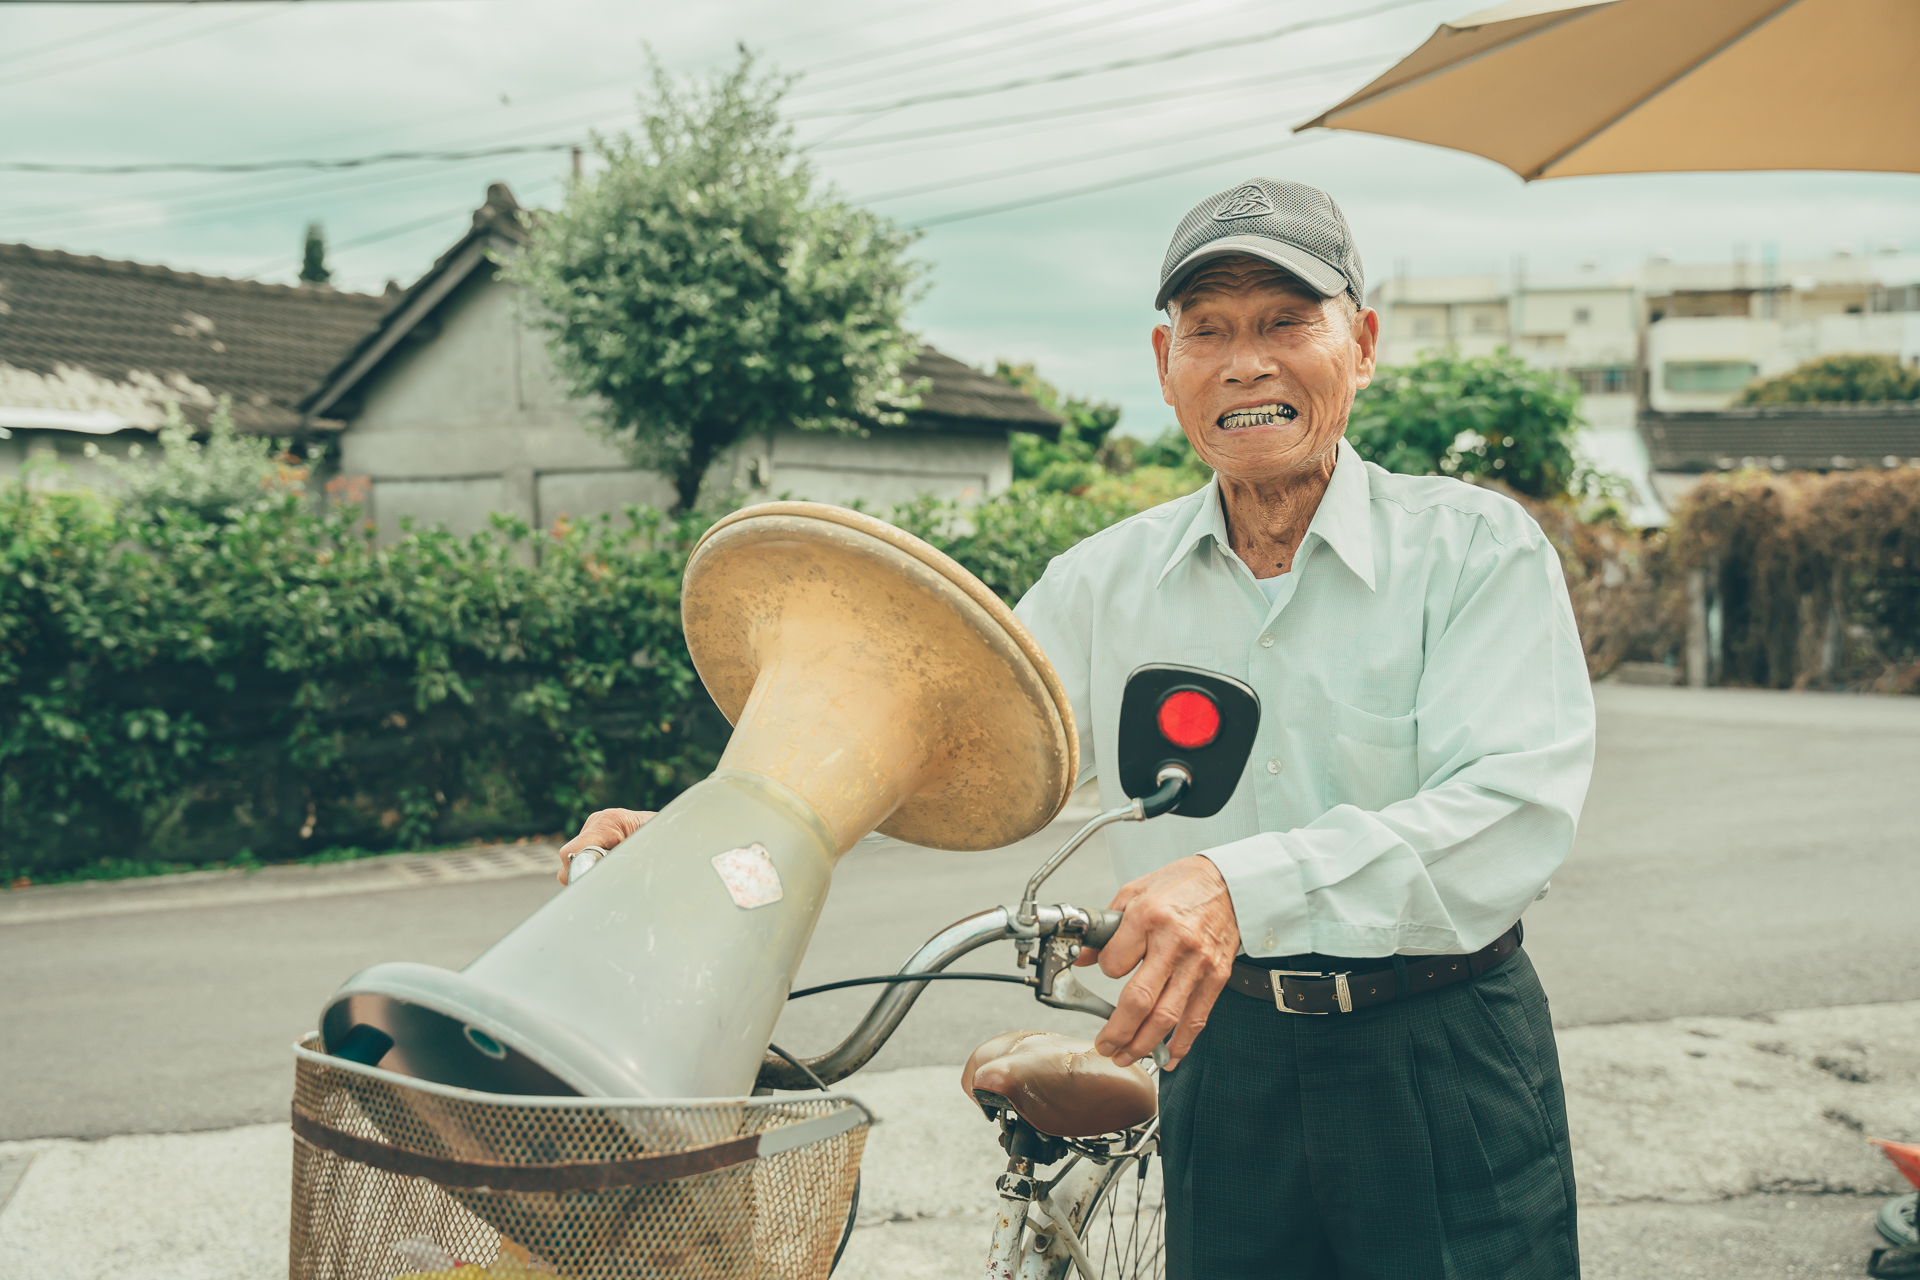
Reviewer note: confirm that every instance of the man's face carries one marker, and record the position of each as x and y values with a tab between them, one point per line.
1260	371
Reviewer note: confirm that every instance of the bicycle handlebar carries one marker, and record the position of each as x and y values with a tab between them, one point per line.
1105	925
1093	927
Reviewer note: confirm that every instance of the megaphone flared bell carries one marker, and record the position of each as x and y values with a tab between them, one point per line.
873	683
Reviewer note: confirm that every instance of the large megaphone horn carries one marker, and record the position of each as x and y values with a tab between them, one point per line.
872	683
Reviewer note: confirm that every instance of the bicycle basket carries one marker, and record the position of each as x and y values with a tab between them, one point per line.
401	1179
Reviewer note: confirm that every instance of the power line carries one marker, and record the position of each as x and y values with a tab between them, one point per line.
82	37
1028	202
386	233
59	68
1093	108
1126	148
1026	39
1121	64
440	156
324	192
262	166
1000	24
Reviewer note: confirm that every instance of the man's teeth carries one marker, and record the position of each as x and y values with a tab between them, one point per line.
1262	415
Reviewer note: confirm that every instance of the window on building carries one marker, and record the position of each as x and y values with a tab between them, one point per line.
1611	381
1483	322
1710	377
1423	326
1582	315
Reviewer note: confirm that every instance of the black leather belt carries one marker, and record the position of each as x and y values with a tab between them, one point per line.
1319	991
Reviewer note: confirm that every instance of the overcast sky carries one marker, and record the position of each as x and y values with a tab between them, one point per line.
1066	283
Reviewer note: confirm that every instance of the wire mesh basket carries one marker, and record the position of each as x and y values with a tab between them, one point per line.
401	1179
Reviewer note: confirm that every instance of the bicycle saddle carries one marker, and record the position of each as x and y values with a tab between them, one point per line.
1058	1084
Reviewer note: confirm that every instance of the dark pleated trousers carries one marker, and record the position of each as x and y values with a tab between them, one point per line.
1420	1140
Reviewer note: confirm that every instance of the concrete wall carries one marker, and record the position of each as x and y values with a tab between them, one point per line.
469	418
69	450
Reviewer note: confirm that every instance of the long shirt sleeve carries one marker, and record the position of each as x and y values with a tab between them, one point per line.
1427	723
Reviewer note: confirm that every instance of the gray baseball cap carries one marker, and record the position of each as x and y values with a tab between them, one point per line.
1295	227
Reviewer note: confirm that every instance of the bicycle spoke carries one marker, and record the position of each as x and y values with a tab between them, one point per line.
1126	1231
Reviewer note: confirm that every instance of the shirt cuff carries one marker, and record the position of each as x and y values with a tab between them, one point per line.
1269	903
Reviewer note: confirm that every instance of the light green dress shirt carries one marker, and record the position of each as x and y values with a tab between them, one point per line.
1426	727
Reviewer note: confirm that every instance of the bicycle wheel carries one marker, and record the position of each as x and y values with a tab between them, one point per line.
1125	1233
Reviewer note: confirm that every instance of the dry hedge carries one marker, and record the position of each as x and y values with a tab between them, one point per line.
1817	576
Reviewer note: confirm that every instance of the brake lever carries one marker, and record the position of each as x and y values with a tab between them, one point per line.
1055	984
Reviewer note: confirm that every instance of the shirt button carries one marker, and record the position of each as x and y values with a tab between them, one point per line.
1266	641
1271	944
1273	766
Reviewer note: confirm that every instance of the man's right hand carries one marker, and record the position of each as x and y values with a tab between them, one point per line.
606	829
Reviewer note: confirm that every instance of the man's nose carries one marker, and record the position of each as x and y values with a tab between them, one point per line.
1249	362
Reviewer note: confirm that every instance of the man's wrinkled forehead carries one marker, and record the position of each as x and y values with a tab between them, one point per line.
1239	274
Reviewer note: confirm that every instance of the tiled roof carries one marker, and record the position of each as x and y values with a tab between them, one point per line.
959	398
88	333
961	395
1785	437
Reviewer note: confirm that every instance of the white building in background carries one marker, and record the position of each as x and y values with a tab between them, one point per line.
1712	329
1586	326
1688	337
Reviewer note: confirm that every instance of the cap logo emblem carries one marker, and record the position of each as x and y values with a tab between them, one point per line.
1245	202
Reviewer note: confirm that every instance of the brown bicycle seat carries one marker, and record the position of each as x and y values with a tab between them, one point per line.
1059	1085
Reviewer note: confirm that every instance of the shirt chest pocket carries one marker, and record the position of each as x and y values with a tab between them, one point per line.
1374	759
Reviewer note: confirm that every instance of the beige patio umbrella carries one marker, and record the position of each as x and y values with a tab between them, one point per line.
1647	86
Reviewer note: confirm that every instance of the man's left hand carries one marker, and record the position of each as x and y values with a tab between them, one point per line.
1179	937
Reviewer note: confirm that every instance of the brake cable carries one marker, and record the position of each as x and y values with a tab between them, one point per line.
853	1207
909	977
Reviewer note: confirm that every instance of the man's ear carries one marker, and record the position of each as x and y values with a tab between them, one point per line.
1366	338
1162	344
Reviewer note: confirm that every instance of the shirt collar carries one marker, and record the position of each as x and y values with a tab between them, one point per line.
1344	519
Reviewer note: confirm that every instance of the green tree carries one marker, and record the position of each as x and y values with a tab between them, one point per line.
1482	417
313	257
1074	461
704	285
1851	378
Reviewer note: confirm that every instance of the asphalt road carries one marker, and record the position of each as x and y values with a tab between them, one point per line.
1741	852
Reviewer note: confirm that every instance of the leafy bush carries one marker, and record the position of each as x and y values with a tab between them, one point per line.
1007	540
216	480
1844	378
179	688
1073	462
1480	417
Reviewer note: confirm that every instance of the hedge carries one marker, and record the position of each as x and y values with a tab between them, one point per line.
181	689
191	684
271	684
1817	577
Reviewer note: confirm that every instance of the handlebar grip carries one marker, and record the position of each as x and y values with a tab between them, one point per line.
1105	925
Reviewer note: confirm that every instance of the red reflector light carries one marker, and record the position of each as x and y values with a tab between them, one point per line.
1189	719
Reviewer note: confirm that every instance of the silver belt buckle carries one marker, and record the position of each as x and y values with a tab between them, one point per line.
1342	993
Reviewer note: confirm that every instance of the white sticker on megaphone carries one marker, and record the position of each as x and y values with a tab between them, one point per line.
749	875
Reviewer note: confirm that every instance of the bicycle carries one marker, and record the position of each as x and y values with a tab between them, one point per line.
1184	740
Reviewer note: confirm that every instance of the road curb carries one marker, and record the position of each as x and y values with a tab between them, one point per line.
187	889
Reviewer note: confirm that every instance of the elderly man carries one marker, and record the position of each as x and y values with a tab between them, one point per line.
1363	1077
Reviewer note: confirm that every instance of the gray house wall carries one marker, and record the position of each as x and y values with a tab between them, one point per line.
468	417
